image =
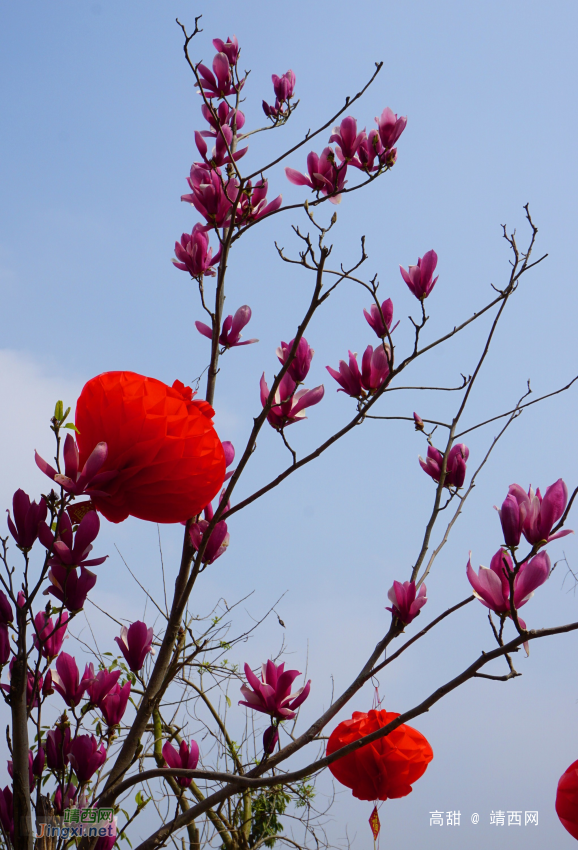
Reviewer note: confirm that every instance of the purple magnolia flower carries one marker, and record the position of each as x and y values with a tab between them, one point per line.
419	278
7	812
113	705
4	644
68	551
86	482
212	195
390	128
375	320
67	680
70	588
218	540
62	802
135	644
492	586
222	152
234	118
348	139
537	515
374	371
186	757
194	255
369	149
31	780
419	426
253	204
39	762
270	738
57	748
229	450
220	83
406	604
271	694
288	405
27	515
6	613
231	331
302	361
230	48
47	689
284	86
33	685
101	684
86	757
49	636
455	468
324	175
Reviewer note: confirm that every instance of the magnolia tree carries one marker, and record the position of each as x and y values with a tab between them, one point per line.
91	750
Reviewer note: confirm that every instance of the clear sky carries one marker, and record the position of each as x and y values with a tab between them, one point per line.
98	113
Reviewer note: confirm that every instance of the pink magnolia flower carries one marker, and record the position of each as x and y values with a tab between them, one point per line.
324	175
7	812
374	372
348	139
70	588
348	376
288	405
271	694
270	738
5	649
369	149
374	320
101	684
33	685
390	128
27	515
64	801
113	705
419	425
89	481
135	644
186	757
6	613
302	361
284	86
492	587
86	757
218	540
230	48
66	680
212	195
220	83
39	762
230	335
71	550
537	515
419	278
49	636
57	748
455	468
253	204
224	115
194	255
405	603
222	153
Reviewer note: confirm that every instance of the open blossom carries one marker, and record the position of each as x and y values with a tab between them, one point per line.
374	318
288	405
69	587
68	549
27	515
101	684
374	371
230	48
135	644
212	195
64	801
405	602
230	336
420	278
535	516
186	758
113	705
194	255
49	635
222	153
66	680
234	118
390	127
86	757
218	540
455	468
492	586
271	694
57	748
220	83
253	204
89	480
348	139
324	175
301	362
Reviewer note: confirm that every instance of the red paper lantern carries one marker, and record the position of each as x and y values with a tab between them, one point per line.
170	460
385	768
567	799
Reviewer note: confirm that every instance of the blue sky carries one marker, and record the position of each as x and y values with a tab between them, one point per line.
99	112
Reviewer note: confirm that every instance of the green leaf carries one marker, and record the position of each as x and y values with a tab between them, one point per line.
58	410
72	427
65	415
228	701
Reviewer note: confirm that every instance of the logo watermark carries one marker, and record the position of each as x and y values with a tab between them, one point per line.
79	823
497	817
